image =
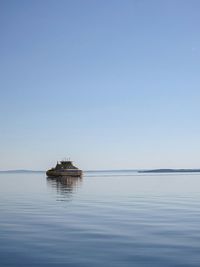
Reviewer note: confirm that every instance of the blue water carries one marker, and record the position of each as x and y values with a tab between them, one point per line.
104	219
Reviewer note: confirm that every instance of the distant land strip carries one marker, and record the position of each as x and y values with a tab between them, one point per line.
20	171
169	170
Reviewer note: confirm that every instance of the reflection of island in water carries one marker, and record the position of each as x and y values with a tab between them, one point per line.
65	186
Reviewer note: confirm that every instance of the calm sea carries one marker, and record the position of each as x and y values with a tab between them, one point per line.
104	219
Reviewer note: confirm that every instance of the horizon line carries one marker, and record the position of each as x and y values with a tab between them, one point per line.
110	170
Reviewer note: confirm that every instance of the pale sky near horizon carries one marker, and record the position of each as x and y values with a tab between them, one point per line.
111	84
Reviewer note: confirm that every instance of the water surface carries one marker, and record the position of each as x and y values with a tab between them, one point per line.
103	219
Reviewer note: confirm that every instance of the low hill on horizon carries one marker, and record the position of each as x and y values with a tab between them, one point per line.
169	170
18	171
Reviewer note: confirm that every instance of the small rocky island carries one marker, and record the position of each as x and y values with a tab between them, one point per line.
64	169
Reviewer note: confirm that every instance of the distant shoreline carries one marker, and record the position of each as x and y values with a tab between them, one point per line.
170	171
20	171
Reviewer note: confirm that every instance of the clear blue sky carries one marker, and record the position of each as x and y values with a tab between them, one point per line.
111	84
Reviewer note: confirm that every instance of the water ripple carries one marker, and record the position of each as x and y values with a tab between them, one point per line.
100	222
